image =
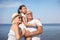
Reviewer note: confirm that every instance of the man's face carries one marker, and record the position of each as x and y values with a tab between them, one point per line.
29	15
23	10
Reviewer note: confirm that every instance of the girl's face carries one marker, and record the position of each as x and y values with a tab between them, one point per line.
23	10
18	19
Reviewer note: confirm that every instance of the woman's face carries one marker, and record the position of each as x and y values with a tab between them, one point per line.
18	19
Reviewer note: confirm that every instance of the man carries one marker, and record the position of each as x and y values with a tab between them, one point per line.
22	10
34	31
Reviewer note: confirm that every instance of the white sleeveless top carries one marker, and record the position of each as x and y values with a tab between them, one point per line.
11	35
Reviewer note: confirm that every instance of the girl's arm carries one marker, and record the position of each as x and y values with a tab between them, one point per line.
26	23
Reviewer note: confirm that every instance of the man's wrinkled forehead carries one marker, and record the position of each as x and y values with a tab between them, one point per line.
29	12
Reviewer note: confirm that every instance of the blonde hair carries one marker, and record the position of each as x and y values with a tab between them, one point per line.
14	16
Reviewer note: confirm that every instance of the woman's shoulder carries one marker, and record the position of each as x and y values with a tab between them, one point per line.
13	26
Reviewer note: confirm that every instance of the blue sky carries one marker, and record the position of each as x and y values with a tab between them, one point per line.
47	10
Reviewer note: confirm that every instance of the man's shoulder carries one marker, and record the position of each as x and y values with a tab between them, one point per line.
38	22
35	20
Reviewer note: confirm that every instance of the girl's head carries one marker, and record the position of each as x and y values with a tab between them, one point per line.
16	18
22	9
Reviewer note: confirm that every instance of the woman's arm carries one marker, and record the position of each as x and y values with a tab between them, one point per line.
17	32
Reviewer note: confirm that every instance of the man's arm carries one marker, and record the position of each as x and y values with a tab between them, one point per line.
38	31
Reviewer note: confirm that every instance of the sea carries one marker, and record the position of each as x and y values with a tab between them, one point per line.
50	31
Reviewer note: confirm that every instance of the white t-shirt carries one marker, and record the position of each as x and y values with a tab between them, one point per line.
31	29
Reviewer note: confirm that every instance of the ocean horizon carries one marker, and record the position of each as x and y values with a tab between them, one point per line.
50	31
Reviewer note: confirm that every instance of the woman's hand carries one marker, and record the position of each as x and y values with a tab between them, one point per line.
23	32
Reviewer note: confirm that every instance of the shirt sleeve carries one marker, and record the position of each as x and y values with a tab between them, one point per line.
38	23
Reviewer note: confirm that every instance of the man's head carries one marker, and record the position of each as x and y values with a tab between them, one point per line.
22	9
29	15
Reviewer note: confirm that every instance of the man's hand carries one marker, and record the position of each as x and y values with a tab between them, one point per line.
27	33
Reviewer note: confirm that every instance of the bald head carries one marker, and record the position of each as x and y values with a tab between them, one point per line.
29	12
29	15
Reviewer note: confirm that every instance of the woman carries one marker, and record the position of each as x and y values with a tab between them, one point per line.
15	31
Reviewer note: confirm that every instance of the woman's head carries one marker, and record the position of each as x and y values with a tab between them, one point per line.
22	9
16	18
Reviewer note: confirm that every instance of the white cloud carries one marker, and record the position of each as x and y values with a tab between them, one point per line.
10	4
